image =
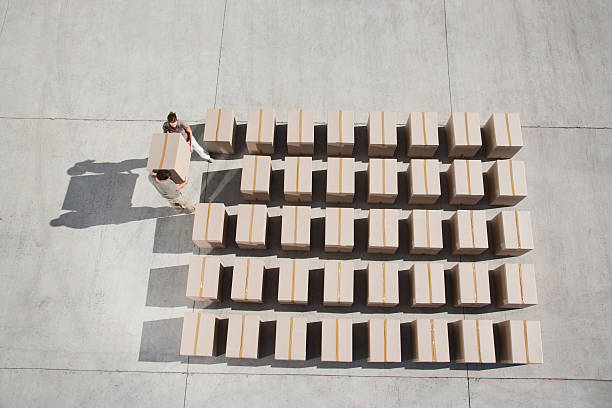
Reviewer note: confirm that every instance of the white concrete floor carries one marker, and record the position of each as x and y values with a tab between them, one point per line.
93	265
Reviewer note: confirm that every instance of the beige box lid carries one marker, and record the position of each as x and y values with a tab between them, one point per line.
424	177
464	185
383	283
465	129
382	176
199	336
476	344
423	221
251	223
260	126
518	283
430	340
427	283
515	229
298	175
510	177
208	223
247	280
290	343
300	126
203	277
521	341
219	126
293	280
169	151
383	228
337	340
295	227
385	345
242	336
382	128
422	129
256	174
338	281
470	229
472	282
341	175
340	135
339	227
506	129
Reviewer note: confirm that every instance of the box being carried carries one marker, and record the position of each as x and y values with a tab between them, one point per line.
471	282
293	281
422	131
516	285
469	232
512	233
251	226
295	228
339	229
209	224
255	181
385	345
382	181
260	131
382	134
427	285
247	280
298	179
199	336
503	135
465	182
290	341
340	132
383	231
474	341
242	336
337	340
219	131
383	284
170	151
520	342
338	283
203	278
300	132
340	180
463	134
425	232
507	181
424	181
430	341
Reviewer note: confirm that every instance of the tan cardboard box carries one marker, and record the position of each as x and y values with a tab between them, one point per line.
424	181
247	280
300	132
474	341
516	285
471	283
293	281
463	134
425	232
383	231
520	342
385	344
298	179
251	226
170	151
383	284
339	229
503	135
255	181
340	132
209	224
295	228
338	283
427	285
507	181
512	233
469	232
290	341
337	340
340	180
242	336
219	131
260	131
382	134
465	182
422	131
382	181
203	278
430	341
199	337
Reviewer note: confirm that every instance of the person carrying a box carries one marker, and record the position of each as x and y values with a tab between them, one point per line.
171	191
174	125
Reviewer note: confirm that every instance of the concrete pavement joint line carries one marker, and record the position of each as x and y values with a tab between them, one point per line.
220	48
450	93
185	393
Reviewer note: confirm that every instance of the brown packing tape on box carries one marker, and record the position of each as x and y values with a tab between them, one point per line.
475	282
427	228
432	334
429	282
207	222
508	130
339	223
511	177
337	351
424	134
520	272
526	341
385	340
163	155
246	281
340	126
293	282
383	187
340	177
467	163
295	226
478	341
197	334
300	129
384	230
425	176
202	275
291	321
467	135
218	125
255	174
382	115
241	336
384	284
251	223
297	173
472	227
518	231
258	140
339	281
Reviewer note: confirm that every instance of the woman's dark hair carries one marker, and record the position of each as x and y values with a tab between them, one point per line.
163	175
172	117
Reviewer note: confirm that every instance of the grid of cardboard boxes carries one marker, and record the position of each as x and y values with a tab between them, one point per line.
517	341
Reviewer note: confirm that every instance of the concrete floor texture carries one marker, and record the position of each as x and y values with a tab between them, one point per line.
93	262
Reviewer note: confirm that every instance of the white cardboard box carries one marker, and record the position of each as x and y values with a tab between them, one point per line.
422	131
203	278
503	135
247	280
295	228
382	181
255	180
463	134
507	182
251	226
465	182
199	336
290	341
383	284
382	134
260	131
427	285
298	179
337	340
430	341
340	180
520	342
516	285
383	231
219	131
209	225
384	345
293	281
340	132
425	232
471	283
474	341
338	283
339	229
512	233
469	232
424	181
242	336
300	132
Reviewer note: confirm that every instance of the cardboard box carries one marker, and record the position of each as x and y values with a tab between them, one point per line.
507	182
382	134
203	278
503	135
425	232
383	284
520	342
340	180
339	229
463	134
424	181
219	131
385	344
337	340
430	341
465	183
290	341
255	181
260	131
300	132
474	341
298	179
427	285
469	232
293	281
515	285
209	225
340	132
422	131
242	336
247	280
512	233
251	226
199	336
295	228
383	231
338	283
170	151
382	181
471	283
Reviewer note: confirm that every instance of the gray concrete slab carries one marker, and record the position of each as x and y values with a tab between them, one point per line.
546	60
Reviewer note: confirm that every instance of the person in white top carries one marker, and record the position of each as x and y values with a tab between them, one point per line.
174	125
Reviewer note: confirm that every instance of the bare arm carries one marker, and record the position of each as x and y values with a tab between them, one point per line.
183	184
188	129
